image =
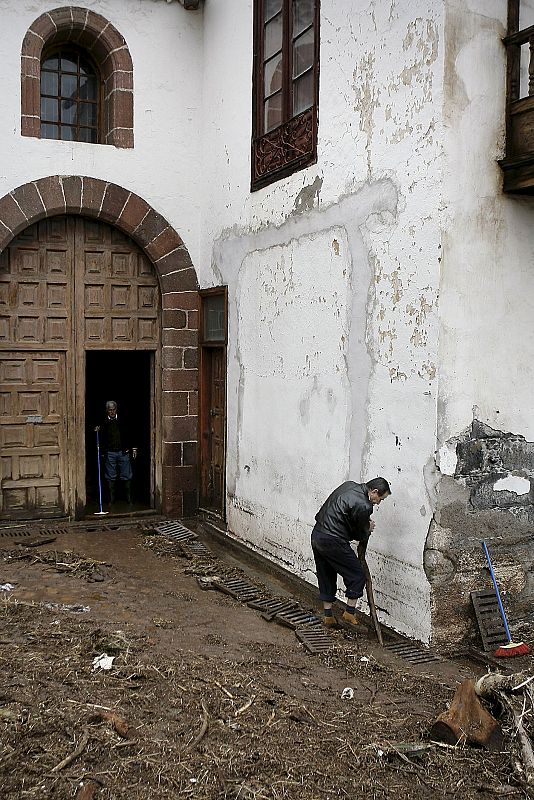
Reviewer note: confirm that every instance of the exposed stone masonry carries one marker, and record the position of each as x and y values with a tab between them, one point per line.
474	504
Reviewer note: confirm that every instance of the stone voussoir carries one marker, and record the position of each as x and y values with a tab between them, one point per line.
52	195
30	202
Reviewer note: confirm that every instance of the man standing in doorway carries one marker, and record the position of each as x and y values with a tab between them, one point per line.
345	515
116	446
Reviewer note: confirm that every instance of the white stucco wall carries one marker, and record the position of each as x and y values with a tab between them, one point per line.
316	396
336	340
487	348
165	43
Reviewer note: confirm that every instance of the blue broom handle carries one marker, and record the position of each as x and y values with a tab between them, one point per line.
503	615
99	478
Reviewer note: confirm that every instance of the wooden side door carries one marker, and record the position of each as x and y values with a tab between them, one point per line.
213	400
214	457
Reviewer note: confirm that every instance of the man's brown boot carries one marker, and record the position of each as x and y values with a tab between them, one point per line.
349	622
330	621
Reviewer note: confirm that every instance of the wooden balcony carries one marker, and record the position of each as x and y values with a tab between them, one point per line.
518	163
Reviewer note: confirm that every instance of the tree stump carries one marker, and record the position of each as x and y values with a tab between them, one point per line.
467	720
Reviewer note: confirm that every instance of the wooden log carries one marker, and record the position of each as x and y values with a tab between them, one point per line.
117	723
87	790
467	721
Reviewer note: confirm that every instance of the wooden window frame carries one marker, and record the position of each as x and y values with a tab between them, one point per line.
81	53
108	49
215	290
293	144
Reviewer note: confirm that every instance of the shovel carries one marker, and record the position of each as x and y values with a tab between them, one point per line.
369	589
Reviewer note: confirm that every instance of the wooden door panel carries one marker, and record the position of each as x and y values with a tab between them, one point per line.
120	289
213	427
36	292
32	434
36	286
66	285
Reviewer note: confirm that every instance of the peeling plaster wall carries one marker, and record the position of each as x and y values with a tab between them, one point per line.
487	493
165	44
485	423
332	277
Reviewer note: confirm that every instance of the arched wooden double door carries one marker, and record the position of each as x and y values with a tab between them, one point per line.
68	285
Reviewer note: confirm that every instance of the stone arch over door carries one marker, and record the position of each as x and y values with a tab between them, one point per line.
90	197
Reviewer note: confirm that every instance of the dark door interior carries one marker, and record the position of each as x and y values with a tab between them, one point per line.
126	378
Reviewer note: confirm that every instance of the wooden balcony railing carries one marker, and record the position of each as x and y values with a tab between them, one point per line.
518	163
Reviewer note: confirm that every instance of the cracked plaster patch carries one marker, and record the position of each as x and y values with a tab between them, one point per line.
512	483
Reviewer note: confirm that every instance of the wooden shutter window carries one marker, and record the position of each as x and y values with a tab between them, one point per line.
285	88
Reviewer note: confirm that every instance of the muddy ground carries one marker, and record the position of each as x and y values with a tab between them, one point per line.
204	698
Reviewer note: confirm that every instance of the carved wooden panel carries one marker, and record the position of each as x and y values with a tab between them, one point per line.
36	287
120	289
32	434
280	152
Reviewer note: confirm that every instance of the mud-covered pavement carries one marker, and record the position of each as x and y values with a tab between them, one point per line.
204	698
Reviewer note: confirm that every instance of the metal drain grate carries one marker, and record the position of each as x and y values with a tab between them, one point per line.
488	615
297	618
99	527
238	589
411	653
269	608
175	530
194	548
24	533
314	639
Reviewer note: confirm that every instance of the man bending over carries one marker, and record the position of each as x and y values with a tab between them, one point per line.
345	516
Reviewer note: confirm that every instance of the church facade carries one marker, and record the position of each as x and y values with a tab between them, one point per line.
292	239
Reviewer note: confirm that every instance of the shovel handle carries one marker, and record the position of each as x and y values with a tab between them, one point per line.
362	547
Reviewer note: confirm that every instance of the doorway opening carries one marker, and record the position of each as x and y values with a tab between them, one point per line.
127	378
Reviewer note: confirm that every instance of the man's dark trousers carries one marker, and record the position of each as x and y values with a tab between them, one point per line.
334	556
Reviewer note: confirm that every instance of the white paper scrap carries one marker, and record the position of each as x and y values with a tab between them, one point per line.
103	661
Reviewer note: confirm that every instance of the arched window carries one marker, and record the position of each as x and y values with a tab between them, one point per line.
70	96
86	72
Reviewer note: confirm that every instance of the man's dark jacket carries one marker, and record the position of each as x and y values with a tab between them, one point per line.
346	513
116	435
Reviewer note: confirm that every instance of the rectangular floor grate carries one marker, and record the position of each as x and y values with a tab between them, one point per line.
411	653
316	640
192	548
297	618
175	530
489	619
24	533
270	607
238	589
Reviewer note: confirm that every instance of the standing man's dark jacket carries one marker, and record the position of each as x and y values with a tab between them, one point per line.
346	513
116	435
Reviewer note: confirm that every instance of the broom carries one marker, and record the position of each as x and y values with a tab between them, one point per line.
511	648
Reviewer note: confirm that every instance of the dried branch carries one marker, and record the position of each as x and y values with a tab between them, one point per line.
203	728
495	686
84	739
